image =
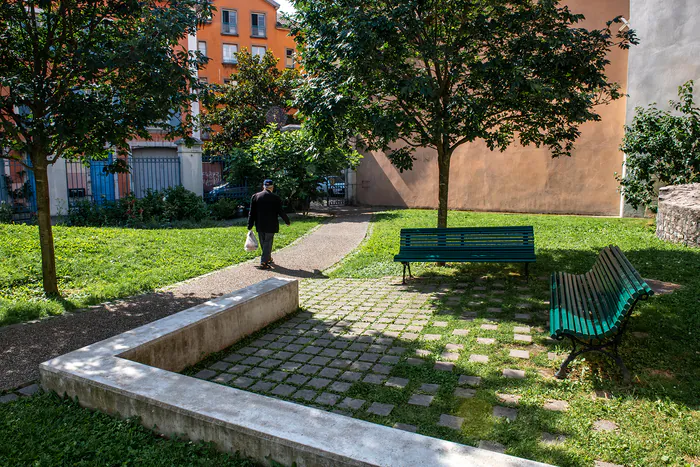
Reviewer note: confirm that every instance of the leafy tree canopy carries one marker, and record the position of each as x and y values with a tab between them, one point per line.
661	147
440	73
295	160
259	93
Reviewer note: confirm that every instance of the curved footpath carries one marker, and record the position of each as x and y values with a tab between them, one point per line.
24	346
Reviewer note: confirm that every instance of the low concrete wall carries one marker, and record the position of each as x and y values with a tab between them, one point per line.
234	317
260	427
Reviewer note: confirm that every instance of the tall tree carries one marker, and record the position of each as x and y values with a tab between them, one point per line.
258	94
79	76
406	74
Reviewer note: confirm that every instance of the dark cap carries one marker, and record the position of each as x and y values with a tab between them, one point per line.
268	182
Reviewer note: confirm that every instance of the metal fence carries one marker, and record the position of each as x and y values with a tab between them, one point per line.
18	189
92	181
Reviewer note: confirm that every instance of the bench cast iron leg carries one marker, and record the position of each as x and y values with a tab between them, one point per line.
562	373
406	265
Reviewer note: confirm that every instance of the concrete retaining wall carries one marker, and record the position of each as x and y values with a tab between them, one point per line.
260	427
678	218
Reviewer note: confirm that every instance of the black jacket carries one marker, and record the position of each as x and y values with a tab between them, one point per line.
264	209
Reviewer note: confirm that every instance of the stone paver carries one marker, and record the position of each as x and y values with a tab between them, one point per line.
522	338
380	409
350	403
505	412
524	354
514	374
489	327
604	425
470	380
451	421
464	393
283	390
429	388
421	399
552	439
406	427
460	332
509	398
397	382
556	406
492	446
444	366
521	329
476	358
606	464
206	374
327	398
8	398
29	390
485	341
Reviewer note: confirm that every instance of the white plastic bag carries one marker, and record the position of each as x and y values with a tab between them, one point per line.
251	243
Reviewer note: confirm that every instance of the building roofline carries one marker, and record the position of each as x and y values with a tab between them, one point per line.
273	3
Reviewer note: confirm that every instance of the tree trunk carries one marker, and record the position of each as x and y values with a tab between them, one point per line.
443	187
48	257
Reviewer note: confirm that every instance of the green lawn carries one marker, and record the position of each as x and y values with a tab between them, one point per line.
47	431
99	264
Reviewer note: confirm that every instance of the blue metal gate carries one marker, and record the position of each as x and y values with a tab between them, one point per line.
102	182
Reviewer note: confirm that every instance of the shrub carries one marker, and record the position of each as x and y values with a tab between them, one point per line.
224	209
5	213
183	205
662	148
84	213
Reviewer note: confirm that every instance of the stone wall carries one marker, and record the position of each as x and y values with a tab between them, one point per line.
678	219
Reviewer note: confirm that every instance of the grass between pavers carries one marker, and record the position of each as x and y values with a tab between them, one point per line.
657	414
44	430
99	264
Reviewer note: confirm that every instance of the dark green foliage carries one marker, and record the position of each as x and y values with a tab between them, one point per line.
155	209
224	209
662	148
181	204
5	213
295	160
438	74
260	93
47	431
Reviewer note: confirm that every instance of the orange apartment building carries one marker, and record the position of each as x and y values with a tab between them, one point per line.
160	163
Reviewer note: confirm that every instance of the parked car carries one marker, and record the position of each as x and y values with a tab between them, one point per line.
227	191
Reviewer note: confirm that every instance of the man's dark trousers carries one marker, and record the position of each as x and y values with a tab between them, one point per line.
266	245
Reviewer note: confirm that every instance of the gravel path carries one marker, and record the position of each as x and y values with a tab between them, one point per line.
24	346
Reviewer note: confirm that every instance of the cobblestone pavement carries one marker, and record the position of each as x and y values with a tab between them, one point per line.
446	360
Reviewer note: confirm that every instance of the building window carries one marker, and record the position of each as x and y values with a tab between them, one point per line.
258	20
230	51
229	22
230	81
289	58
203	79
258	51
202	47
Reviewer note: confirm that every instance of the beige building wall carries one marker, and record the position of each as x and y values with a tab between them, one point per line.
521	179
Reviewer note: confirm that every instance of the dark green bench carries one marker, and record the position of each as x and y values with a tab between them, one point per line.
467	245
592	309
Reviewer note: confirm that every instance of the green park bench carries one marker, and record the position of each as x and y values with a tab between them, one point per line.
467	245
592	309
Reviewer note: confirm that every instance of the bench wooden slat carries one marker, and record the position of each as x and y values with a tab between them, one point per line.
593	308
510	244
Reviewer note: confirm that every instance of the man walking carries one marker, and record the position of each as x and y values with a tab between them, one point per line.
264	209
